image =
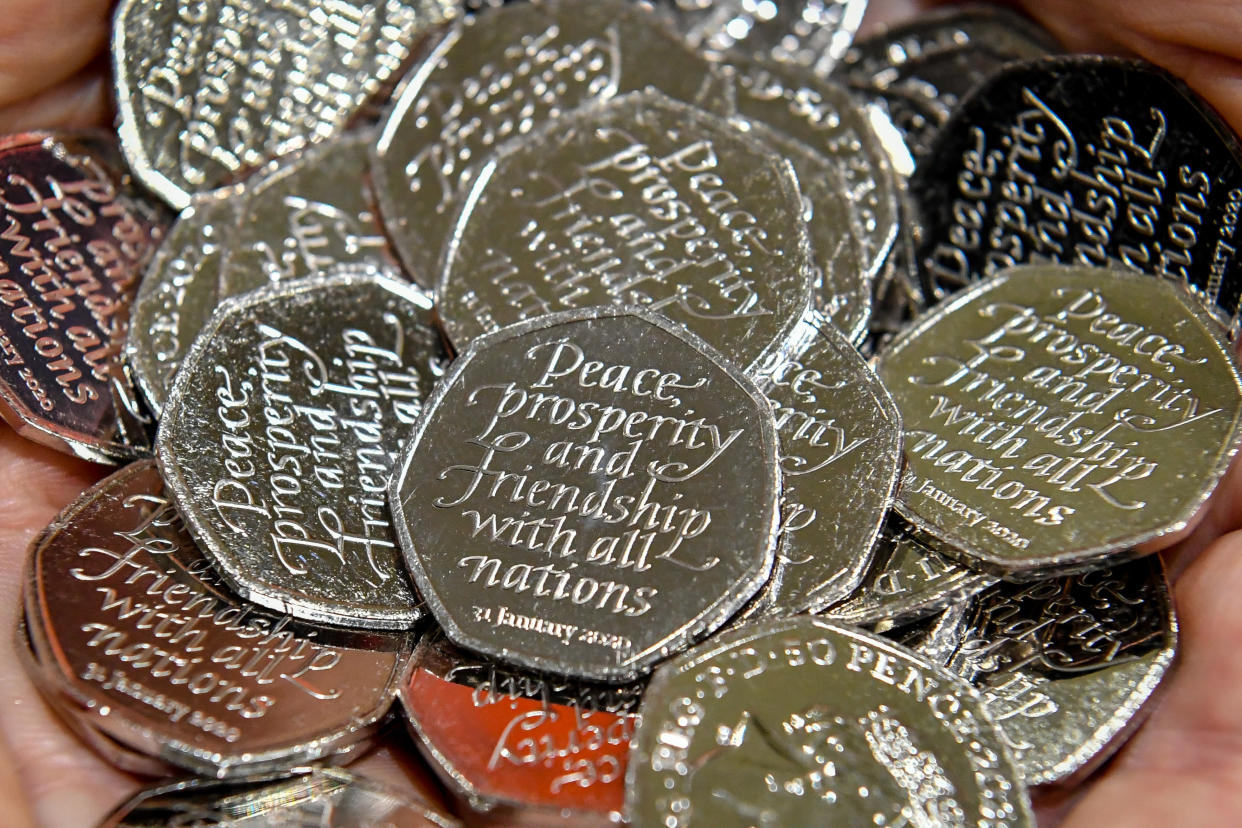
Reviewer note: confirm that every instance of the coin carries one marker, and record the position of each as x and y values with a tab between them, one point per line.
500	75
588	492
910	578
1066	665
640	200
279	435
840	440
920	70
802	722
935	637
207	89
304	215
1083	160
810	33
522	748
1056	416
180	288
76	237
142	642
322	797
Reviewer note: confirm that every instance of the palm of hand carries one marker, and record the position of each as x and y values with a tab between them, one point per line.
1181	768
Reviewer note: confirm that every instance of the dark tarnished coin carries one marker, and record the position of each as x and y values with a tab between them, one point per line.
642	201
910	578
1066	665
179	291
76	236
1083	160
209	88
140	640
281	431
322	798
921	70
802	722
588	492
305	215
822	116
840	439
1057	415
525	749
501	75
810	33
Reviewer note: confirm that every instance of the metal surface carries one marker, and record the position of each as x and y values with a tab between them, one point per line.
642	201
802	722
280	433
587	493
1057	416
76	237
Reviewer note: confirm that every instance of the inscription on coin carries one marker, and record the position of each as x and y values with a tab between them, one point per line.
74	241
588	492
142	639
280	433
209	88
642	201
1056	415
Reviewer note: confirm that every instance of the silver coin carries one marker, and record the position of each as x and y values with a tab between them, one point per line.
280	433
802	722
909	579
810	33
840	438
143	651
179	291
501	75
304	215
1067	665
76	236
588	492
207	89
320	797
641	200
936	637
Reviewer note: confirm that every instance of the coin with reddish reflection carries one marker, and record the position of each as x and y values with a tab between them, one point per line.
519	746
76	236
139	641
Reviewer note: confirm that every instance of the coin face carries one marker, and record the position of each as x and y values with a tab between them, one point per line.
279	436
518	746
588	492
1055	416
208	89
642	201
323	797
802	722
840	438
76	238
500	75
1066	665
142	640
180	288
1087	161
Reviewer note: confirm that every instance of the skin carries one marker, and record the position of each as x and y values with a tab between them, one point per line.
1183	767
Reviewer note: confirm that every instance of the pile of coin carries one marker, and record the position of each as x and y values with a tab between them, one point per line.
675	411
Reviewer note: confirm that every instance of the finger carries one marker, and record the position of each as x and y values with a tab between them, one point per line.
43	44
80	101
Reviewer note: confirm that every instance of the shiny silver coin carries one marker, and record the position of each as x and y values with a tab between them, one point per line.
280	433
76	236
840	437
321	797
936	637
803	722
641	200
180	289
207	89
141	646
501	75
1067	665
588	492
